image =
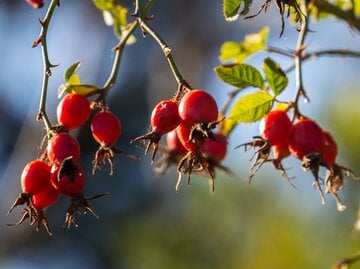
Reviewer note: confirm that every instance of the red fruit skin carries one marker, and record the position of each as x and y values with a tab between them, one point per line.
165	117
70	183
330	150
36	3
73	111
306	137
61	147
174	144
214	150
275	127
35	177
183	133
106	128
280	151
45	198
198	106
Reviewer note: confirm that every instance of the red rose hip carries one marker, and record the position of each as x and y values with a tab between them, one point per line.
330	150
214	150
35	177
275	127
306	137
62	147
73	111
165	117
106	128
198	106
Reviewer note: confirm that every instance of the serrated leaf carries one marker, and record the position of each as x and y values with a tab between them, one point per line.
233	51
275	76
83	89
240	75
71	70
249	108
230	9
238	52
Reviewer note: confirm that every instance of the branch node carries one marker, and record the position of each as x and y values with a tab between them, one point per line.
167	51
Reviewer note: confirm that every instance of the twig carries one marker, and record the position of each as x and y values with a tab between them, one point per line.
163	45
346	262
287	53
327	7
46	63
333	52
111	80
119	49
298	57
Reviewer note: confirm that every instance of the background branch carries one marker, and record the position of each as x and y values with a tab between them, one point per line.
347	16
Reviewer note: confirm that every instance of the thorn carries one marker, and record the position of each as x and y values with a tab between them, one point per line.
39	116
42	22
36	42
53	65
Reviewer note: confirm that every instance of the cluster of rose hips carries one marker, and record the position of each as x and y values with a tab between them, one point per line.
58	171
307	141
188	125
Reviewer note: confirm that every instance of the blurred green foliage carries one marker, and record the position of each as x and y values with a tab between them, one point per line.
237	227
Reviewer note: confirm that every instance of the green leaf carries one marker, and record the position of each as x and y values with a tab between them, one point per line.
240	75
104	4
120	21
71	71
83	89
356	8
249	108
230	9
114	15
74	80
238	52
275	76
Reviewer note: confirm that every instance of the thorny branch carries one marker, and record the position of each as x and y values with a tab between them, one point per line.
46	62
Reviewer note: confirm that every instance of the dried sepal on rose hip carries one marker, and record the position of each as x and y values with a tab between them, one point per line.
214	151
70	180
106	129
282	5
335	173
164	118
273	139
172	153
37	193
